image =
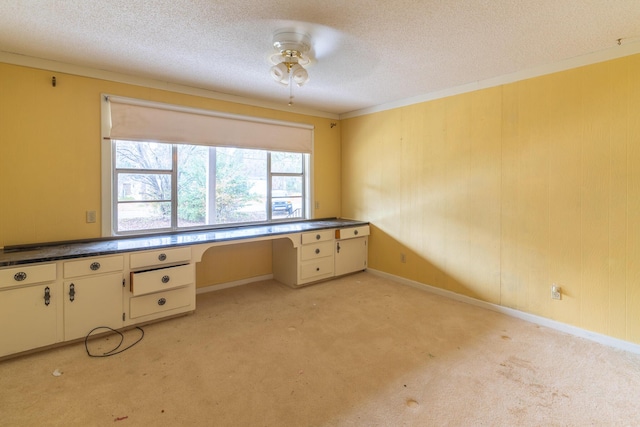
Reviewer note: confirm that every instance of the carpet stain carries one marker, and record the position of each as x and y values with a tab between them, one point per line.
411	403
506	337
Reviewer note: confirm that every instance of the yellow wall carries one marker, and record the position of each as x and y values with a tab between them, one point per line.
50	161
498	193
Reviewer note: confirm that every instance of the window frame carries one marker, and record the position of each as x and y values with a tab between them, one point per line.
109	187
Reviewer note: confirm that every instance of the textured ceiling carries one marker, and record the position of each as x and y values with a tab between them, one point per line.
367	52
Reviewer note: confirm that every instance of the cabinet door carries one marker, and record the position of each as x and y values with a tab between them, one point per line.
91	302
351	255
27	320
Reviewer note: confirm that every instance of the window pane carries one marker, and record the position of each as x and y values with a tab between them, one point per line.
143	155
240	185
286	162
193	167
141	186
144	216
286	197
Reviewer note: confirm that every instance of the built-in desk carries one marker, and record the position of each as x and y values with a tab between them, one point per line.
58	292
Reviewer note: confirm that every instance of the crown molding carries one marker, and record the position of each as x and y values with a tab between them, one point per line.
626	49
61	67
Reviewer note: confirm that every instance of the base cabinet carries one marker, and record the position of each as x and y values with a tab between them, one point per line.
29	317
351	255
320	255
92	302
161	283
92	295
50	302
30	307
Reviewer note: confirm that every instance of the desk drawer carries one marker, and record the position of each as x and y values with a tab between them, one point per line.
161	279
317	269
160	301
160	257
352	232
91	266
27	275
316	250
317	236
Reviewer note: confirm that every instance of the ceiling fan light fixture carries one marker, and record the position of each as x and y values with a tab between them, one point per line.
299	74
280	72
293	48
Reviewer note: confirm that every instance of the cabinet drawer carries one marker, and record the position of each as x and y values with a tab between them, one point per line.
27	275
161	279
316	269
317	250
352	232
160	257
91	266
160	301
317	236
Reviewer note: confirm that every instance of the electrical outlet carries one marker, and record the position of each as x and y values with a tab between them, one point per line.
317	205
403	258
556	292
91	216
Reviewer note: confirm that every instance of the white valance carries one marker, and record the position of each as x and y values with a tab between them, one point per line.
139	120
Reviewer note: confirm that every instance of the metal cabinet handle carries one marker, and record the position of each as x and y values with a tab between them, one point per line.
317	268
47	296
355	232
72	292
165	279
162	257
338	247
19	277
162	301
317	237
95	266
317	251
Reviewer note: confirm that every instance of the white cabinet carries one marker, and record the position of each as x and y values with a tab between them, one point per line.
320	255
48	302
30	308
157	290
351	252
311	262
93	290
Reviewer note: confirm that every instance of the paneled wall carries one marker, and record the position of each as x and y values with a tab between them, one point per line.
50	162
499	193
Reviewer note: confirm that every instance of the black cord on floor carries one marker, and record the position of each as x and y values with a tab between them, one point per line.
113	351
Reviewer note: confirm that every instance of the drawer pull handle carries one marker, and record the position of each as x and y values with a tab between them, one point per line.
317	268
355	232
19	277
162	257
317	251
162	301
72	292
95	266
47	296
317	237
165	279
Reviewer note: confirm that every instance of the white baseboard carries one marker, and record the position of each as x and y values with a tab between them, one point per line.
538	320
220	286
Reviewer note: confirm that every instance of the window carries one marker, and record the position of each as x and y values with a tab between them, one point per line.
164	183
167	187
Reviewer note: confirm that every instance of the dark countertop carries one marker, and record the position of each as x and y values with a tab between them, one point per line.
44	252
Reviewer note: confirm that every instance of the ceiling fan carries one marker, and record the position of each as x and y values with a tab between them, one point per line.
297	47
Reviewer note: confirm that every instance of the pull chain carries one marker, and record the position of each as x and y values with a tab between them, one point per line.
290	90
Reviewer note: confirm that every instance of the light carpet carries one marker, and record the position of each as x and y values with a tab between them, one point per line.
356	351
